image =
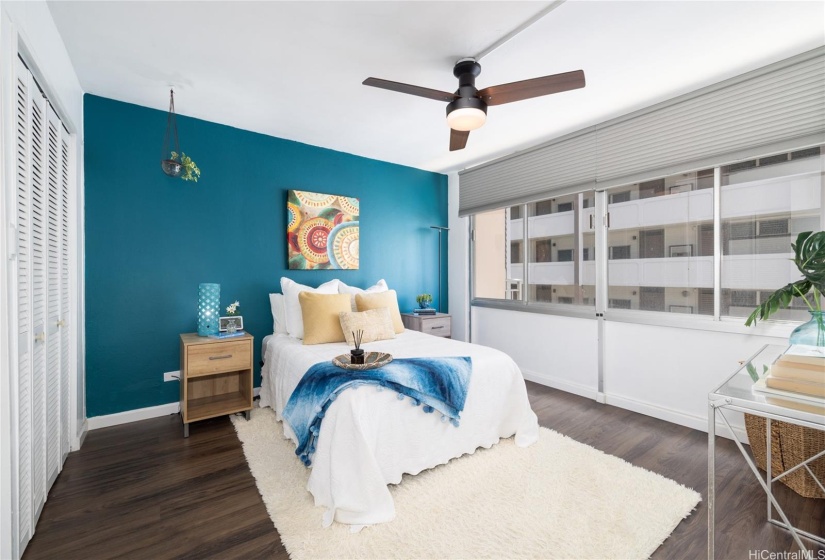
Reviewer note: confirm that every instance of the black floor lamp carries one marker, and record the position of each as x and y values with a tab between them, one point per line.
440	229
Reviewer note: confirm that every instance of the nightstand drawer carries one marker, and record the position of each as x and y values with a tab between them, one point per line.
208	359
438	326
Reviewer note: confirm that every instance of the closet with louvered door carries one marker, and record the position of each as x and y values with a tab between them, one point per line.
42	258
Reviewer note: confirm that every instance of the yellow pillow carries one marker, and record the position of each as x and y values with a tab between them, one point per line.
376	324
387	299
320	314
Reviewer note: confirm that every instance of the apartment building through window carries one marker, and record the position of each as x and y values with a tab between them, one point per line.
660	239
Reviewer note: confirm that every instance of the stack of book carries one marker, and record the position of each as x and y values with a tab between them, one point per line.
227	334
427	311
799	372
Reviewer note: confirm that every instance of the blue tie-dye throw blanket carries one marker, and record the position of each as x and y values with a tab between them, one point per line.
436	383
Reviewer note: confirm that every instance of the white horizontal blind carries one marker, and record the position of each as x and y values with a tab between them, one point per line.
568	164
780	107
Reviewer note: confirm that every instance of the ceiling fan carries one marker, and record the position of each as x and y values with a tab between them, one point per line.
467	107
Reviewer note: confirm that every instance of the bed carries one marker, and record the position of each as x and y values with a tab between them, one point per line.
369	439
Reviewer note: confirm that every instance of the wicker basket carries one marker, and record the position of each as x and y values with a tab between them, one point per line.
790	445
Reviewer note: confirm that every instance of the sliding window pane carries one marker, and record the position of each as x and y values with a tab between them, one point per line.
555	244
660	244
498	257
765	203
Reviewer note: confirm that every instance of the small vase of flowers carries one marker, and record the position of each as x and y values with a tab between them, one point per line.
233	321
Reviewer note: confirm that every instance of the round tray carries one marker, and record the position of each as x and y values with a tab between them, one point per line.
372	360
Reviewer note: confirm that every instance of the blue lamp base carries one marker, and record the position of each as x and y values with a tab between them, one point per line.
209	309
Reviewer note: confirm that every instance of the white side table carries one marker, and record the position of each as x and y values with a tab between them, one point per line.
737	394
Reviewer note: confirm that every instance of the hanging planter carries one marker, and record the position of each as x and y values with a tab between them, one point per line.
174	162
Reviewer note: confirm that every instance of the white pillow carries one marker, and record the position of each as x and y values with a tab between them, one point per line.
380	286
278	305
294	318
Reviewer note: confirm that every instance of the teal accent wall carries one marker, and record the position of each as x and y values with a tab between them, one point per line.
151	239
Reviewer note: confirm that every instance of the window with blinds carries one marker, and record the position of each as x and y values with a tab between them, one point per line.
750	147
42	261
659	242
774	109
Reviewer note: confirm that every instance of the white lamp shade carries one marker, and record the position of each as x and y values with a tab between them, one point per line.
466	118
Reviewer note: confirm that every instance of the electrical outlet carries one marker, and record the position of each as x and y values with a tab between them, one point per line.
171	376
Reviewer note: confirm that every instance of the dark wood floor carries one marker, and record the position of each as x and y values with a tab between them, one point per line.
142	491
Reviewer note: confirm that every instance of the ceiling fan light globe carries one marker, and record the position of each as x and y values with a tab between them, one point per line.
466	119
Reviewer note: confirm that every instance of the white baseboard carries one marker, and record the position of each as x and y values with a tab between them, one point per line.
675	417
81	436
635	405
561	384
96	422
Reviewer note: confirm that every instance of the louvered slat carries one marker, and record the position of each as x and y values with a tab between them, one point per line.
39	481
53	413
24	385
64	293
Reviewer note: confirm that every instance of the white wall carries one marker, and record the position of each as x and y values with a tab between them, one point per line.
458	249
28	27
664	372
549	349
668	372
6	477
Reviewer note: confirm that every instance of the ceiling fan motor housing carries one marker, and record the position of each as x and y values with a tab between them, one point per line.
466	71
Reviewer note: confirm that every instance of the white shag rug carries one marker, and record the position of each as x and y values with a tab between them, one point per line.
556	499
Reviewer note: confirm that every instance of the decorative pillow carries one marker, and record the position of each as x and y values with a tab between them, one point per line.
294	320
376	324
388	299
380	286
321	313
276	302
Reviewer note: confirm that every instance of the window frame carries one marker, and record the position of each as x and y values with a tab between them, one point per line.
714	323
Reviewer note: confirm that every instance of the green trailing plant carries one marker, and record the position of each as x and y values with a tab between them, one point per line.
424	299
190	168
809	257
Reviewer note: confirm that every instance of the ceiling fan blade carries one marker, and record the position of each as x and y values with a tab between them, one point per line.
410	89
526	89
458	139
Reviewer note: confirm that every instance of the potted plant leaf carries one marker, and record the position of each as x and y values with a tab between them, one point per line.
191	172
809	257
424	300
789	442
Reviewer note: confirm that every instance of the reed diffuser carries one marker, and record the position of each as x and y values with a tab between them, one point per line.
357	355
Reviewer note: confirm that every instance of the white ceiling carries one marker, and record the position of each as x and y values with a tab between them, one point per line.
294	69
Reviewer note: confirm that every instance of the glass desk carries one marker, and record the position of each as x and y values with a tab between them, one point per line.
737	393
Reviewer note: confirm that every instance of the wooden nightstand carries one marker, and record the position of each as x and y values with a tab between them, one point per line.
439	324
215	377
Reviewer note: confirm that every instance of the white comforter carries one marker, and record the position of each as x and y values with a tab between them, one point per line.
369	438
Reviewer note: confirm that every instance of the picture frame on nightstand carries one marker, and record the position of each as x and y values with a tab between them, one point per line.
224	322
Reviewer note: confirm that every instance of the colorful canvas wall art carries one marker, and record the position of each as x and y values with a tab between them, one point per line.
322	231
